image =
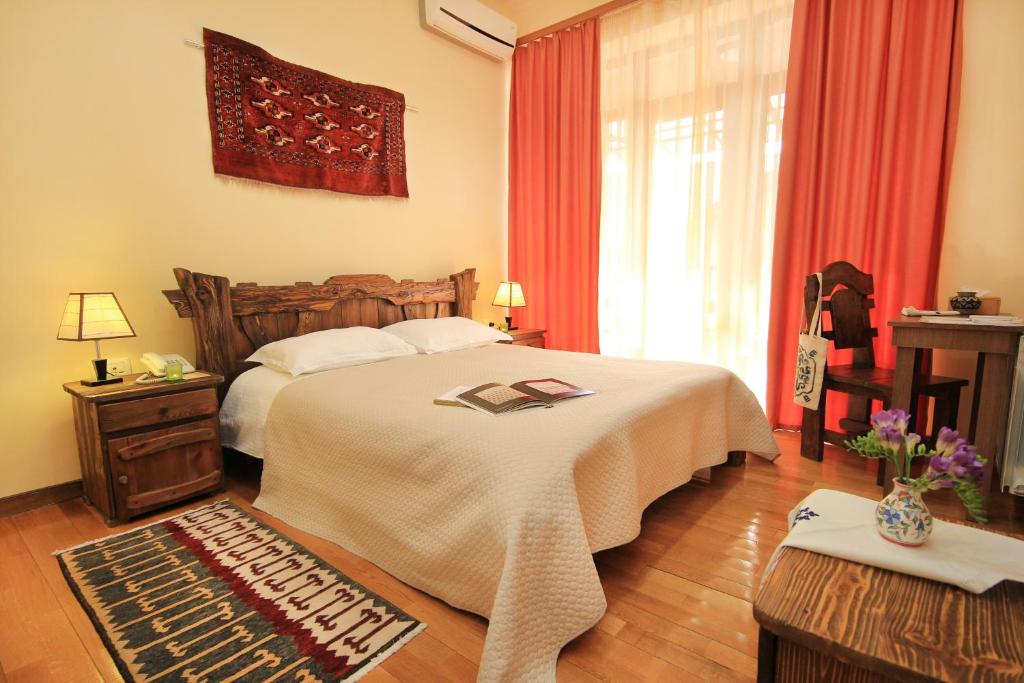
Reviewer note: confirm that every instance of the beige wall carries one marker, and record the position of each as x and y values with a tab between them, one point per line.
984	240
106	181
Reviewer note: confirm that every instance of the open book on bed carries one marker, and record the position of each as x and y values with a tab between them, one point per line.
496	399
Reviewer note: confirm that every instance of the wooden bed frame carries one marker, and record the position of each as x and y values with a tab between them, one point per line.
231	322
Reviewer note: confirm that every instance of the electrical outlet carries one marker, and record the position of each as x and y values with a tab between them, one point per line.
119	367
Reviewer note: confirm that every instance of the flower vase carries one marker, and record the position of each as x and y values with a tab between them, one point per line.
902	516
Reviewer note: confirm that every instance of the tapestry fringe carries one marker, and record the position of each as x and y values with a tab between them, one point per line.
384	654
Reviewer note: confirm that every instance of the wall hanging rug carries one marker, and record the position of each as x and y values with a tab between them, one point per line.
283	123
215	595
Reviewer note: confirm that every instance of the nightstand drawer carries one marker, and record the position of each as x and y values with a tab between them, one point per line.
115	417
164	466
526	336
536	342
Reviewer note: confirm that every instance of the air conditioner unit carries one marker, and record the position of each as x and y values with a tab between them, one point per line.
473	24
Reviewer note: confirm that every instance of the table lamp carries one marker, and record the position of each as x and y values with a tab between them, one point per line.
95	316
510	295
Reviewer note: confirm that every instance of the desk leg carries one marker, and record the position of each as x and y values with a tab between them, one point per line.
908	369
979	375
990	413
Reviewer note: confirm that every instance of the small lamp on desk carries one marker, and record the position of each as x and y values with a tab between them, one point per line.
95	316
510	295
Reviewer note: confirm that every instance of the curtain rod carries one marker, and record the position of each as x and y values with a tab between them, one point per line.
197	44
598	11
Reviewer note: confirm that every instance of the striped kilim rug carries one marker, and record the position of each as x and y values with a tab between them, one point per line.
216	595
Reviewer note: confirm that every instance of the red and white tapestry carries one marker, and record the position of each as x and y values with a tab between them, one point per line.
282	123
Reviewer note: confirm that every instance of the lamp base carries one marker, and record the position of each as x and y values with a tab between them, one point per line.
101	382
508	324
99	365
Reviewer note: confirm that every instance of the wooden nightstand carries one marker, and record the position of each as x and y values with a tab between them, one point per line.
142	446
526	337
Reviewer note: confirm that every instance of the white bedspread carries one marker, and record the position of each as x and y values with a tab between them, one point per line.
243	415
499	515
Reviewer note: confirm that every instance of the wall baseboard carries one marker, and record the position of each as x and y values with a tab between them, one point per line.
30	500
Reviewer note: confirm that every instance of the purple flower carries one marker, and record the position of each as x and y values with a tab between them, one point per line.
965	464
949	441
964	455
897	419
883	418
890	438
911	440
976	472
962	464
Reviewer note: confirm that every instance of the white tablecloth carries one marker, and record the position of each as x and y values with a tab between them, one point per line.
843	525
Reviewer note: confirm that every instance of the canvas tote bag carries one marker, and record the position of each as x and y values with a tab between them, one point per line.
810	360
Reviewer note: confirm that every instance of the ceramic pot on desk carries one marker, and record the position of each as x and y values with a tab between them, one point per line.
902	517
965	302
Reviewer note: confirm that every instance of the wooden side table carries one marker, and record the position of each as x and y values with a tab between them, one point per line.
996	346
143	446
527	337
827	619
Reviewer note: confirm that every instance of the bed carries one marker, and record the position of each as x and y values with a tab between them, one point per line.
495	515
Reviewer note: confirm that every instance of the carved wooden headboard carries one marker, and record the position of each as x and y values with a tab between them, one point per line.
231	322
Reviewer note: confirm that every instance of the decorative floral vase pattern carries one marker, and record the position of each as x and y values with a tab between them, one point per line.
902	516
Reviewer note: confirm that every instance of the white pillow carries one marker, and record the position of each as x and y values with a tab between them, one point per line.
435	335
329	349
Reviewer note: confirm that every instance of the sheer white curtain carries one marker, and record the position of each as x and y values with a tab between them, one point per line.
691	103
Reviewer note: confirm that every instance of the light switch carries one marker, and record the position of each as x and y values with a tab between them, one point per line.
119	367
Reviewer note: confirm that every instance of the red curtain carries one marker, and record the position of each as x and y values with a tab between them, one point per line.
555	185
871	107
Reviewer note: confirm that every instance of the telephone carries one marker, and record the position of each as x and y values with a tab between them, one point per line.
154	363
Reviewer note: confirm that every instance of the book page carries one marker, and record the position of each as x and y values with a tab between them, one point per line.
497	398
550	386
501	394
550	389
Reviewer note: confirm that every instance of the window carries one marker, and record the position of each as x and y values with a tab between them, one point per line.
692	104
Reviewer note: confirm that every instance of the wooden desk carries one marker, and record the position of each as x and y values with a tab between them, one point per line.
827	619
996	346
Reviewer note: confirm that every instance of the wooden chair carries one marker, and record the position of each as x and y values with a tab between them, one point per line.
846	295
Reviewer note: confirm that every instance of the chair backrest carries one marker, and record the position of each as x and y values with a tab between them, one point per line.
846	294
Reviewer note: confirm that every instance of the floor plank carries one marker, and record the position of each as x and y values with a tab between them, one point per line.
37	641
44	530
678	596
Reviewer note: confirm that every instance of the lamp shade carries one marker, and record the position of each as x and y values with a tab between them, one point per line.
509	294
93	315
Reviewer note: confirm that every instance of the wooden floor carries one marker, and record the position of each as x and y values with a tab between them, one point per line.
678	596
